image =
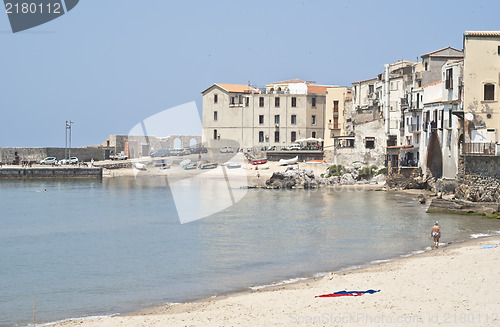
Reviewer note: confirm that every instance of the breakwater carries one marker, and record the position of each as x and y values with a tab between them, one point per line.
50	172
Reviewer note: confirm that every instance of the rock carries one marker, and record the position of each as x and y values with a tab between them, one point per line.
421	198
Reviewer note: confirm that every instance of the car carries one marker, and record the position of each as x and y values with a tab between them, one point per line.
49	161
161	153
226	149
69	161
294	147
119	156
186	151
177	152
199	150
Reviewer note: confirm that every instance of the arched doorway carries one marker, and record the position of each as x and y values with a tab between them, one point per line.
177	143
435	156
192	143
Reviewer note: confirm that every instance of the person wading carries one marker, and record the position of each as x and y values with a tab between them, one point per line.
436	234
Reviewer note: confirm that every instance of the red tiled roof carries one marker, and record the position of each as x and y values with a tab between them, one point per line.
317	88
482	33
236	88
431	84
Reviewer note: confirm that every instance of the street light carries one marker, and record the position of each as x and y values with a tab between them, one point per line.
67	152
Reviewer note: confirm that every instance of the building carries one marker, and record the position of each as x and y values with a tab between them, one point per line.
254	119
433	61
481	91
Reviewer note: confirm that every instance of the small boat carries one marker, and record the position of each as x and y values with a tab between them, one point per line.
262	167
185	162
208	165
233	165
139	166
284	162
189	166
258	161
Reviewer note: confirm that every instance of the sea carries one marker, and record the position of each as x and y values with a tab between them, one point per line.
82	248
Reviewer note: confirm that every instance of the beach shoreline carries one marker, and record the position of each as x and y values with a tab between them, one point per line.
452	284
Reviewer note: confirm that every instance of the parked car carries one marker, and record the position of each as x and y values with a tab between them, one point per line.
69	161
161	153
118	156
186	151
294	147
49	161
226	149
179	152
199	150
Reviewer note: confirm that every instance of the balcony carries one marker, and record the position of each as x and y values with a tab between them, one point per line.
479	149
414	128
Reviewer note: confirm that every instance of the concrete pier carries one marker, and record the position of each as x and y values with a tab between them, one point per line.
14	172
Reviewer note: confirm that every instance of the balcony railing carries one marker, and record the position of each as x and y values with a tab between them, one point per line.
487	149
414	128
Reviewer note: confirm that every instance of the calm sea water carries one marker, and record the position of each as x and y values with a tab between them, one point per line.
101	247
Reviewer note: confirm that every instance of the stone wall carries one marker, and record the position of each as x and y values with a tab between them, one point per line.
7	155
50	172
481	181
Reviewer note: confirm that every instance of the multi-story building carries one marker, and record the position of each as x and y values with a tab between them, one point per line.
433	61
278	115
481	91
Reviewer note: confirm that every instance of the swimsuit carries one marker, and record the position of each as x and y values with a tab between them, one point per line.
435	234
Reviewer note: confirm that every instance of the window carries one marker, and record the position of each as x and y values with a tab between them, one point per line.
335	122
215	115
261	119
335	107
277	102
294	120
276	136
313	134
370	142
240	99
216	98
247	101
277	119
450	117
294	102
313	102
261	101
216	135
489	92
498	51
313	118
426	66
261	136
371	88
293	136
449	79
232	100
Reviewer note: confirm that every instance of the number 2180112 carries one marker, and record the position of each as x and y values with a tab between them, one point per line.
32	8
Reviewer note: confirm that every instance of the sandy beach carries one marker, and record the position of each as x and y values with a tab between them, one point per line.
455	285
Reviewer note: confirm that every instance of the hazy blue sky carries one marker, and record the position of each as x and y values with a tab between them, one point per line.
108	64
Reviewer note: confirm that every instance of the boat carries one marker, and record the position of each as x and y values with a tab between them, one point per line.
233	165
258	161
139	166
284	162
262	167
189	166
185	162
208	165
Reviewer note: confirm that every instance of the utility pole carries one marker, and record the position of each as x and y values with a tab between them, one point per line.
67	153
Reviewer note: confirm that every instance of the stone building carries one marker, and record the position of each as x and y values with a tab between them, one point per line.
277	115
481	90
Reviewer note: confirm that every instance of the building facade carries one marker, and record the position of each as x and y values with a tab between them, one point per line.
254	119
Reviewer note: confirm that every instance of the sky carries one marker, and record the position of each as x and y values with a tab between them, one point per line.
107	65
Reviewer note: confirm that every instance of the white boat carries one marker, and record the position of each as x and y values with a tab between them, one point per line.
139	166
284	162
232	165
262	167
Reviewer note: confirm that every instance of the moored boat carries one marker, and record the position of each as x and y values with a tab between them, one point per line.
284	162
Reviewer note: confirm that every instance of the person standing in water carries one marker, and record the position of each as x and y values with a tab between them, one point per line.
436	234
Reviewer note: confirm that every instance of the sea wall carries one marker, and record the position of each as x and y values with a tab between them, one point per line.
7	155
481	180
50	172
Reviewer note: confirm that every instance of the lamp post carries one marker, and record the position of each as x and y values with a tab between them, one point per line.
67	153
